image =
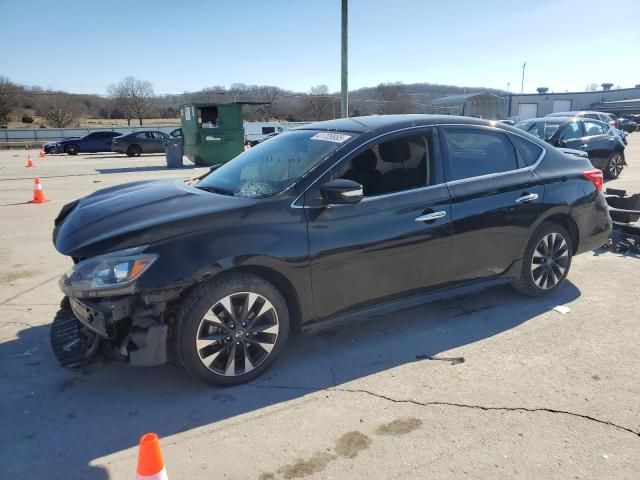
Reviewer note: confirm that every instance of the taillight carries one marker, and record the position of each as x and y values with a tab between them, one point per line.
594	176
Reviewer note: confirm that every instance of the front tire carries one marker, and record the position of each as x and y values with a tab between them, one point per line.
230	330
546	261
615	165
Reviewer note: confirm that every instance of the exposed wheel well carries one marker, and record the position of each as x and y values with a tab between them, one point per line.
569	224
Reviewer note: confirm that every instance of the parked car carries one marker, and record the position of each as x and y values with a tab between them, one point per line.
604	147
177	133
91	143
323	224
50	147
627	125
136	143
609	118
253	143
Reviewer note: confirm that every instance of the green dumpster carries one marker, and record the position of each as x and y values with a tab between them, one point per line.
212	132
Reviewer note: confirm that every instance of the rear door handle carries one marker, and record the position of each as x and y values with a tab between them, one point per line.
430	217
527	198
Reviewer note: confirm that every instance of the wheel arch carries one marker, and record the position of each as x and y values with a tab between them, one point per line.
569	224
274	277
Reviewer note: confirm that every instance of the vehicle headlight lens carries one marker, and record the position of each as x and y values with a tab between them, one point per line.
112	270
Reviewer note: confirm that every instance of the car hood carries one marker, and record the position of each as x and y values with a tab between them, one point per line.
139	213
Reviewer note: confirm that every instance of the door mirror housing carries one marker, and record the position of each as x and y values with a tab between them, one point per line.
341	192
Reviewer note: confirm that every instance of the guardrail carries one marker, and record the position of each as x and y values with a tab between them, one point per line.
36	136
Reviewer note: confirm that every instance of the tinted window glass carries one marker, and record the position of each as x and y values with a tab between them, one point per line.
141	135
592	115
542	130
401	164
473	153
529	151
160	135
571	130
592	128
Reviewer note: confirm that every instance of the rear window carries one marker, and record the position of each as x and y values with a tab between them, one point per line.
529	151
476	152
541	130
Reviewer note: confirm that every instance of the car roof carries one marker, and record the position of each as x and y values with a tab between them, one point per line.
552	119
393	122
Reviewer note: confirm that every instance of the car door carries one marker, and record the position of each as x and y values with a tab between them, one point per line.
105	141
569	135
597	143
158	141
495	197
90	143
394	242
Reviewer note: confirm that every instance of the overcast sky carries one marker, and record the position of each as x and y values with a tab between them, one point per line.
83	46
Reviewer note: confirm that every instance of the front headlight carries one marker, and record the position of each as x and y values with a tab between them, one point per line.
113	270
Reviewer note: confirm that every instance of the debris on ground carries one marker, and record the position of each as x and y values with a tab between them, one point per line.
453	360
562	309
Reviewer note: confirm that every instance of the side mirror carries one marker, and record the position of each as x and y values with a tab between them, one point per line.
341	192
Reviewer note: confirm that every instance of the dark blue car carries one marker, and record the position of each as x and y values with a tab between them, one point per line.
94	142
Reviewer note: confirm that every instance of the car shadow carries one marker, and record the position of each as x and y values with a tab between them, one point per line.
122	156
83	416
152	168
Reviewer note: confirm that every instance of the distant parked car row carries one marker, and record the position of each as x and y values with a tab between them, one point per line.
132	144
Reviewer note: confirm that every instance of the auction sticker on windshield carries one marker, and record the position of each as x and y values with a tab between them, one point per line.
331	137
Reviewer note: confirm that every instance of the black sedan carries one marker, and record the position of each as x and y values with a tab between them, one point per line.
136	143
627	125
604	147
91	143
323	224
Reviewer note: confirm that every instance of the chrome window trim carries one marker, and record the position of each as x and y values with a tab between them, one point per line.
428	187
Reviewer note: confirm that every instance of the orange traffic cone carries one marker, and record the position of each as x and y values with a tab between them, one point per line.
42	154
30	163
150	463
38	193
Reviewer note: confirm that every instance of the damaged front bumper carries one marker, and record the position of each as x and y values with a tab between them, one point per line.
125	326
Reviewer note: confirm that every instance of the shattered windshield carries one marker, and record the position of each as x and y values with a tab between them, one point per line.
272	166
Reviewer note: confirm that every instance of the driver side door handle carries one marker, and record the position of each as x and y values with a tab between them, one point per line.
430	217
530	197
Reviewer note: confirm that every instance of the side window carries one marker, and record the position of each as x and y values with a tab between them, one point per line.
595	116
529	151
403	163
474	152
141	135
571	131
160	135
592	128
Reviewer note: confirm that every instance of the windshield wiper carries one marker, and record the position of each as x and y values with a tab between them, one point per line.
218	190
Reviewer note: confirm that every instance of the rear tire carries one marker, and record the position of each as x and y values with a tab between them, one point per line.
231	329
134	151
546	261
615	165
71	149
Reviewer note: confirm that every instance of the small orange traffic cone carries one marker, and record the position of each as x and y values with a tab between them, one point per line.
38	193
42	154
150	463
30	163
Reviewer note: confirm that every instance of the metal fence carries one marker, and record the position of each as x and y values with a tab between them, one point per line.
44	135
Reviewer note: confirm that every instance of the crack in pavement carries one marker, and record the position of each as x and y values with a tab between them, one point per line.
485	408
7	300
451	404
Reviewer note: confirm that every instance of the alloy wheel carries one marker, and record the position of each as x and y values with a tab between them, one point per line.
237	334
550	261
615	165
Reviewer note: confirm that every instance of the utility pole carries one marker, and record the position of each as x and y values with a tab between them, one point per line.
524	65
344	108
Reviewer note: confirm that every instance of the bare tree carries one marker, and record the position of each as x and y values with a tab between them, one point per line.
318	102
59	109
7	99
395	98
134	97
